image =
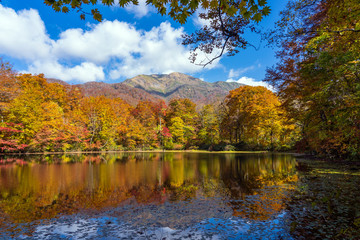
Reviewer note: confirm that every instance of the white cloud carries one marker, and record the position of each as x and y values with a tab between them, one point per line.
160	51
23	34
233	73
251	82
200	22
236	73
84	72
140	10
99	44
86	55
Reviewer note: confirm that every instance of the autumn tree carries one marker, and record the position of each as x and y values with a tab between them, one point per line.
253	117
181	119
146	113
163	133
317	76
42	109
177	129
50	136
9	86
35	104
9	90
105	119
134	137
9	137
209	125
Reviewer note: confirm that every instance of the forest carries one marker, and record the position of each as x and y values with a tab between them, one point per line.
315	106
317	76
38	116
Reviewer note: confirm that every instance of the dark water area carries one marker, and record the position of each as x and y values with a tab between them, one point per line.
171	195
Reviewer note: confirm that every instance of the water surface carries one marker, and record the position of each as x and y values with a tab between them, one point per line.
172	195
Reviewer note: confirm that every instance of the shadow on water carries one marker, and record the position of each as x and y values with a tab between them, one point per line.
146	195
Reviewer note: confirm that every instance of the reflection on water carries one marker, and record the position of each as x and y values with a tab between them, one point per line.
168	190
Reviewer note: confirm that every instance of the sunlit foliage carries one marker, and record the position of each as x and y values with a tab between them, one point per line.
317	77
181	119
252	116
38	116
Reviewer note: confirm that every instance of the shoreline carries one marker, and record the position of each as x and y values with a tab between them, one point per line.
130	151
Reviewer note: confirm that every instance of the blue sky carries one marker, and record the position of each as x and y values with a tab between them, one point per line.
131	41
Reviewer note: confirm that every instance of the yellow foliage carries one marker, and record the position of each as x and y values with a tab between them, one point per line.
253	116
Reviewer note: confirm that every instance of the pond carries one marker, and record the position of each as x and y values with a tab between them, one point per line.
164	195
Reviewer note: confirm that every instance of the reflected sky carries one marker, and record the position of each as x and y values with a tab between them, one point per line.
174	190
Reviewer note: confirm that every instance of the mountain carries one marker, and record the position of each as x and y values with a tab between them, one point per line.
179	85
159	87
116	90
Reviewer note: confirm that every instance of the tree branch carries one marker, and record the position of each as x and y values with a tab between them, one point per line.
218	56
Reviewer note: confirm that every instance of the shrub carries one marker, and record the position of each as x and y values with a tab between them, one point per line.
230	148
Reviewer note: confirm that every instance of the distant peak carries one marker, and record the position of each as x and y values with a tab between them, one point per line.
177	74
159	75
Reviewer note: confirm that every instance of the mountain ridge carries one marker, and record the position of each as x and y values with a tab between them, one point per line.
180	85
156	87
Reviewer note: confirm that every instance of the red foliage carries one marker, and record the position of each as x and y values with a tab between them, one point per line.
9	134
166	133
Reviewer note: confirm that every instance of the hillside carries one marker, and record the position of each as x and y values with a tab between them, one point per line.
117	90
159	86
179	85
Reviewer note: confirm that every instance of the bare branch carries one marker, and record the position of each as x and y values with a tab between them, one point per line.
218	56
